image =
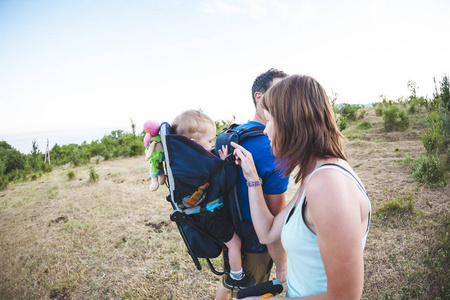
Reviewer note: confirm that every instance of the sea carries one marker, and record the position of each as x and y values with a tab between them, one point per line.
23	142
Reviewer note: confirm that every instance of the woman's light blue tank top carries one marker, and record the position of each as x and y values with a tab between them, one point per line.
305	271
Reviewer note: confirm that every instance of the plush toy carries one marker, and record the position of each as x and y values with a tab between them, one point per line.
154	153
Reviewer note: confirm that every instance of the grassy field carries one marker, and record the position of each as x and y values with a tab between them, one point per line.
112	238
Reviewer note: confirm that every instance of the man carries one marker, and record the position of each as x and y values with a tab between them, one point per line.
258	259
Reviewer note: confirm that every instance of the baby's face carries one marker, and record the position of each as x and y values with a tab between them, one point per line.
207	140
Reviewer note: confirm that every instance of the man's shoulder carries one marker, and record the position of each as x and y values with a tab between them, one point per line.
258	143
250	124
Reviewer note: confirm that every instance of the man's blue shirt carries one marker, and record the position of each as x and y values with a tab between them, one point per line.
273	181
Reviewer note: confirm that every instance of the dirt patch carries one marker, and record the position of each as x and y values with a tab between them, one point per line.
59	294
157	226
58	219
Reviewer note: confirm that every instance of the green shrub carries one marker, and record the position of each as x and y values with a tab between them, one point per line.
412	108
106	155
429	170
437	260
136	148
395	118
3	182
379	110
71	175
10	159
47	168
34	177
398	205
93	176
75	157
444	92
220	125
349	111
434	137
365	125
403	121
362	114
342	123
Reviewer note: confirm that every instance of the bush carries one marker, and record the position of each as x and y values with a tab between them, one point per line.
395	118
106	155
444	92
403	121
3	182
429	170
71	175
342	123
434	136
349	111
362	114
365	125
412	108
379	110
93	176
10	159
398	205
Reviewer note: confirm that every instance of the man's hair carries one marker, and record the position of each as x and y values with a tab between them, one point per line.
263	82
192	124
304	125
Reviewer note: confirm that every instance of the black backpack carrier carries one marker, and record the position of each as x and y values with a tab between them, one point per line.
193	171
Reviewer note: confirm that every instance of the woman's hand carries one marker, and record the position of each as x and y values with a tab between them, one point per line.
245	159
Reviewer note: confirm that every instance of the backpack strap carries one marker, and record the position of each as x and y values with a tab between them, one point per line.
231	134
246	133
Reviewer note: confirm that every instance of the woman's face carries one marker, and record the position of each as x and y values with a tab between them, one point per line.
269	126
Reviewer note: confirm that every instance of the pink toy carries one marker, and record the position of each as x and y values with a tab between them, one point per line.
154	153
151	129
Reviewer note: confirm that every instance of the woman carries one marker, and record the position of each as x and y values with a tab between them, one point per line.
324	228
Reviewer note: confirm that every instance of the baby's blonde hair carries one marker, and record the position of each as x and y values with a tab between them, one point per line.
192	124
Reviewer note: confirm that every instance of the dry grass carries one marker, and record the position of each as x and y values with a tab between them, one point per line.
112	239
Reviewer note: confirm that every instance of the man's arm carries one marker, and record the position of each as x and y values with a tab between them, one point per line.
276	203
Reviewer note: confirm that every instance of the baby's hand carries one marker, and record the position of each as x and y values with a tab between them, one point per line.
224	152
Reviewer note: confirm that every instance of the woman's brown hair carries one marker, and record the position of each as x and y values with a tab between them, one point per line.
304	124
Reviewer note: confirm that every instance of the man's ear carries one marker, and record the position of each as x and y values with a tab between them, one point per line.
258	96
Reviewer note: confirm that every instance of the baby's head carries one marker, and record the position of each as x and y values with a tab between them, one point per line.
197	126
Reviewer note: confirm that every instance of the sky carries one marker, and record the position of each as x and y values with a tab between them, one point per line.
75	70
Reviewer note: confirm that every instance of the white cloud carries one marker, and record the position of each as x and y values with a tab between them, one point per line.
254	9
296	12
224	7
290	11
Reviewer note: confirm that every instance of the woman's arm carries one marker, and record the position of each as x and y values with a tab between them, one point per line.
335	214
276	203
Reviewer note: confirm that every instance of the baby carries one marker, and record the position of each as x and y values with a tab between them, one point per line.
201	129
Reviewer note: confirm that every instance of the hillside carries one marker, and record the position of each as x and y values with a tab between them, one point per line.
112	239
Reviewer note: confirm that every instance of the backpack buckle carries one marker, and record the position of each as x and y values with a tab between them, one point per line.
230	159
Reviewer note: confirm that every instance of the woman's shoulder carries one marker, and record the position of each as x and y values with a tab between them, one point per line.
330	177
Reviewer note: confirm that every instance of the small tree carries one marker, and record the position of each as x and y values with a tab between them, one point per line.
412	87
395	118
333	100
133	127
93	176
445	92
349	111
434	136
429	170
